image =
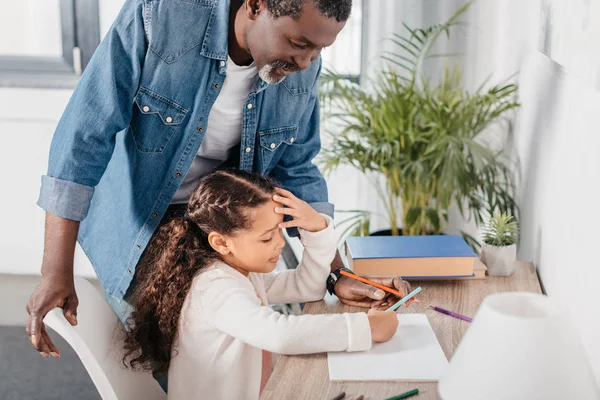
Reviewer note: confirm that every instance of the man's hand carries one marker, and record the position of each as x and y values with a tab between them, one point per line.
54	291
57	288
358	294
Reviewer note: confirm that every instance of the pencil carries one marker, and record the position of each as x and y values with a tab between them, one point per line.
452	314
368	282
405	395
404	299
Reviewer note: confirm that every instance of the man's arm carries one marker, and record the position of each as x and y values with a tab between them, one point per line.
81	149
297	173
57	288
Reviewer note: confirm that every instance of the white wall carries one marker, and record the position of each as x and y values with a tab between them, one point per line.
27	121
558	143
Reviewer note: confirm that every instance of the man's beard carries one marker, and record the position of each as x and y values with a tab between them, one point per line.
266	72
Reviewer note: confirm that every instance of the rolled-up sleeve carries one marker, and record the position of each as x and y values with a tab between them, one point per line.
64	198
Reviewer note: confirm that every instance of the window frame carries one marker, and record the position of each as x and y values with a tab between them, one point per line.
80	34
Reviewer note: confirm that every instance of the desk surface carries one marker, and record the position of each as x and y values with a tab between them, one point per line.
306	377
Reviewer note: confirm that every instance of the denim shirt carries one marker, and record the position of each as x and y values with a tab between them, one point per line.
137	118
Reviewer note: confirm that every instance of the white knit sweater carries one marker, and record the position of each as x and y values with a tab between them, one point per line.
226	322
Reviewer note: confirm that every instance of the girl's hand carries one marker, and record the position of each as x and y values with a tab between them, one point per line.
383	325
304	216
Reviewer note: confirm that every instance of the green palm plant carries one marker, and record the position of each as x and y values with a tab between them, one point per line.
423	137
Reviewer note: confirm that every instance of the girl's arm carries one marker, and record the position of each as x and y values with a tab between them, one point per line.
231	306
308	281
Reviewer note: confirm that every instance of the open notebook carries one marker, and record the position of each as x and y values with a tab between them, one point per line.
413	354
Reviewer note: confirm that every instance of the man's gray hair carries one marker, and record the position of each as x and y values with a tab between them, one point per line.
338	9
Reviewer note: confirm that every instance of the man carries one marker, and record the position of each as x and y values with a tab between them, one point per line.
176	88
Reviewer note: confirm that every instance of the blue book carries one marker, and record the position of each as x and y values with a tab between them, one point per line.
412	257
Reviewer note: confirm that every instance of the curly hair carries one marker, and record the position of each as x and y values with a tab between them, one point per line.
338	9
176	253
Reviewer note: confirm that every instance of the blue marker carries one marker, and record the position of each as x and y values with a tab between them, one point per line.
404	299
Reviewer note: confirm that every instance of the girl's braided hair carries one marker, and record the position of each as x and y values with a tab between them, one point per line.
176	253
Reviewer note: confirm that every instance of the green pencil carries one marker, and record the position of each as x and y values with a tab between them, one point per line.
405	395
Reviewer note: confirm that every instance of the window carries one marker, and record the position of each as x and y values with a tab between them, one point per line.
51	41
47	43
344	56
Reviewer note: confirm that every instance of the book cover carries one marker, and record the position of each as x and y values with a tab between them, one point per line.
411	256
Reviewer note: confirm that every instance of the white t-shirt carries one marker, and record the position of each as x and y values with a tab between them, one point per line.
226	321
224	128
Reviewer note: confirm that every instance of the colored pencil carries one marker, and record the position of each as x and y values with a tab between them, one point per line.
405	395
404	299
368	282
452	314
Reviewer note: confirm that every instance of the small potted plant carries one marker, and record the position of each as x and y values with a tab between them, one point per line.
499	251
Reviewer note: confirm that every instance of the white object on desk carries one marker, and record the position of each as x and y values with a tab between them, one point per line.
413	354
520	346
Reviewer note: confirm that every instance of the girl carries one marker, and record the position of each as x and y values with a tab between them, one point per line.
201	301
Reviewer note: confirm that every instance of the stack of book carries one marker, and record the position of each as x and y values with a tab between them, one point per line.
414	257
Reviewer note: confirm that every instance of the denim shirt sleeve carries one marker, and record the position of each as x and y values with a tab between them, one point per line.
100	107
295	170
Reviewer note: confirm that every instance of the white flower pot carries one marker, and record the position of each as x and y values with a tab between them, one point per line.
499	260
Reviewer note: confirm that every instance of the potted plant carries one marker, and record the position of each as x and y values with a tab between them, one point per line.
423	137
499	251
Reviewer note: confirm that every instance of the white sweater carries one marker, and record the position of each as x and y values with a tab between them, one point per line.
226	322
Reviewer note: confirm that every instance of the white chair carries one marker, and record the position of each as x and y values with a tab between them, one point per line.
98	343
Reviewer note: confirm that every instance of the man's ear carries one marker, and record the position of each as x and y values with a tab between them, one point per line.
254	8
218	243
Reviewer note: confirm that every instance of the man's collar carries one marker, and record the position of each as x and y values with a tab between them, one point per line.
217	31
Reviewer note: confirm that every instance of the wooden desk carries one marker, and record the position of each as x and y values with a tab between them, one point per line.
307	378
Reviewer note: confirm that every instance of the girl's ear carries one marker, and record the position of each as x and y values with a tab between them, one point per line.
218	243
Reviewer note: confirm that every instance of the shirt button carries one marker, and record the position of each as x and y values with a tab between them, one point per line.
146	109
200	129
222	63
178	174
138	246
155	214
169	120
249	106
272	145
292	140
216	85
129	270
248	149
